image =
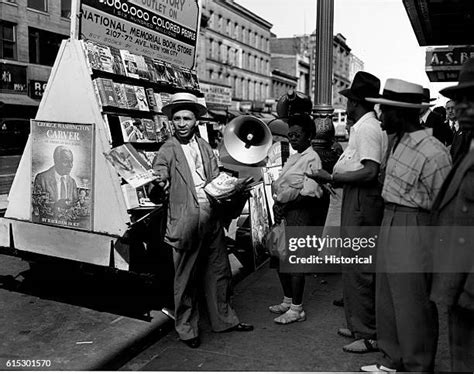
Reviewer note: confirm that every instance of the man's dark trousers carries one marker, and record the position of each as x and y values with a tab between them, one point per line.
361	215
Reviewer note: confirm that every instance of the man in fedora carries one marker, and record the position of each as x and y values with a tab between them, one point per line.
433	120
453	214
407	321
362	207
184	164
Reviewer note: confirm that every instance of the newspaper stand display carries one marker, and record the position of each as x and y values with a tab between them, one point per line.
72	97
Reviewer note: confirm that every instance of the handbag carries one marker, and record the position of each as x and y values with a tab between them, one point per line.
275	241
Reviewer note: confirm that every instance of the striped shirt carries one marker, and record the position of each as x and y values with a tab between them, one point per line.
416	170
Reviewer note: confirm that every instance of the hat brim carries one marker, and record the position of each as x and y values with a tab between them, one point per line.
400	104
198	109
452	91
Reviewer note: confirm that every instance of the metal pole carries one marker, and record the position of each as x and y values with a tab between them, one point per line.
323	65
74	32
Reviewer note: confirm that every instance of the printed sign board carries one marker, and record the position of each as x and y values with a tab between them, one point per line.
13	79
162	29
37	89
444	64
216	94
62	174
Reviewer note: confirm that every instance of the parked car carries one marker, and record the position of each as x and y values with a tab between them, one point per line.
13	135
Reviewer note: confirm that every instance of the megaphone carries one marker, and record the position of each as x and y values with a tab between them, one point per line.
247	139
293	102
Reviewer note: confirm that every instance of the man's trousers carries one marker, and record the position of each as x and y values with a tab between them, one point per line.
206	266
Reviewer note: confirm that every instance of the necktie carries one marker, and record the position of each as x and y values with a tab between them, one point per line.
197	160
63	194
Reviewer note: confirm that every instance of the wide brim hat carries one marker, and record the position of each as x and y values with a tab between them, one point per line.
426	96
401	94
278	127
363	85
184	100
465	82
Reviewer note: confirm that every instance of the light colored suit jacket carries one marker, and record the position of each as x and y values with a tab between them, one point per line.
453	214
46	182
183	208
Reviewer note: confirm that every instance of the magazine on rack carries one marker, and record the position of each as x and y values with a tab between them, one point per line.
106	92
135	130
129	64
130	165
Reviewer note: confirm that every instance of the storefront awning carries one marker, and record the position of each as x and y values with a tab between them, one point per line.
441	22
234	113
16	99
218	113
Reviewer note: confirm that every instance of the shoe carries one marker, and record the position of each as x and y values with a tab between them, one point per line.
291	316
376	368
338	302
193	342
279	308
241	327
361	346
346	333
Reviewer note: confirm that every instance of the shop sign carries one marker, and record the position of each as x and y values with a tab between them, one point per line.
245	106
449	56
443	64
13	79
162	29
37	89
216	95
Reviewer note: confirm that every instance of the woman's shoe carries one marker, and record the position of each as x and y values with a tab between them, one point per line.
291	316
279	308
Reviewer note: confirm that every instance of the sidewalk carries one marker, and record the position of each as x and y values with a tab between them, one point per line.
312	345
47	321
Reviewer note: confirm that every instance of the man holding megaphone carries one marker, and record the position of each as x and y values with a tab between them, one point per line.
185	164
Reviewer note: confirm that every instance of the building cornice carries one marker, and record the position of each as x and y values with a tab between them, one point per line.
244	12
278	73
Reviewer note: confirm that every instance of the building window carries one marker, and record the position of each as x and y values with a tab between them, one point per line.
219	51
43	46
219	24
209	48
228	28
211	20
41	5
236	31
230	55
66	8
243	34
7	40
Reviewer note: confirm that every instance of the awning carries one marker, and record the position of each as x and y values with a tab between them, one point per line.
17	99
234	113
218	113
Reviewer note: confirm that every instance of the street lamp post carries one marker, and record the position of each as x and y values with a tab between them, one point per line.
323	109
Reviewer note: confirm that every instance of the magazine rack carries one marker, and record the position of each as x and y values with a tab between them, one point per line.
70	97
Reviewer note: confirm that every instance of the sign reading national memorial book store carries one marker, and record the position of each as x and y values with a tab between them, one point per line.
62	174
161	29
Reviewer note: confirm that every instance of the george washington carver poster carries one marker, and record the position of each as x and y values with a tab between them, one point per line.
62	174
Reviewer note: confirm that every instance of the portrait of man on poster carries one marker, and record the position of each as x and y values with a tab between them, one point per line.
57	182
